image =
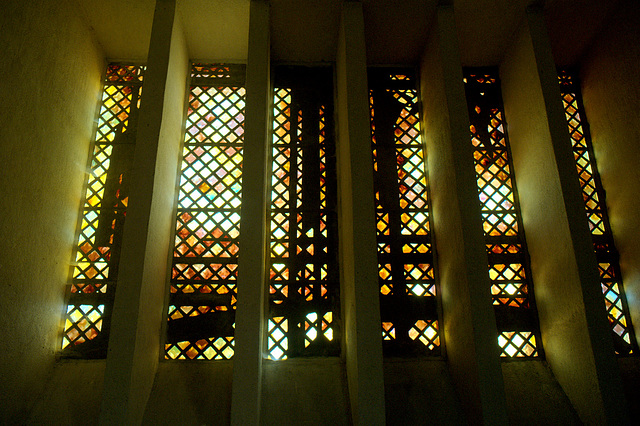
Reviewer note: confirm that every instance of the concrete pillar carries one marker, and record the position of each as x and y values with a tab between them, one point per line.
358	253
135	342
469	324
252	278
575	331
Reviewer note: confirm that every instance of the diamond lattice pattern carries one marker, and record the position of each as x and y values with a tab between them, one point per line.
97	253
208	218
302	272
517	344
402	210
596	210
201	349
82	323
499	209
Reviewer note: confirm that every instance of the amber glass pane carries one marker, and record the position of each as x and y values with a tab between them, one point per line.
406	275
506	247
596	210
205	257
303	290
95	271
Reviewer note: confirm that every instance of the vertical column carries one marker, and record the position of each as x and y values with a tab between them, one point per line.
252	279
573	321
469	328
138	308
358	254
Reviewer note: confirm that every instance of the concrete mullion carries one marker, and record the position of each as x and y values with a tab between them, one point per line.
358	253
573	321
469	326
252	262
135	339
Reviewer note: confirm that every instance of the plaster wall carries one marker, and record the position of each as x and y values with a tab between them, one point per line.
563	278
71	395
51	71
417	390
630	373
469	324
534	396
304	31
611	93
195	393
305	392
122	27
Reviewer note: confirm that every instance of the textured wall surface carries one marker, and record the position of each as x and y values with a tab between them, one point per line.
196	393
50	69
416	390
71	396
305	392
611	92
534	395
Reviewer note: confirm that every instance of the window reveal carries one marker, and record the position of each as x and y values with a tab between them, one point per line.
596	209
509	273
303	291
202	302
95	271
407	282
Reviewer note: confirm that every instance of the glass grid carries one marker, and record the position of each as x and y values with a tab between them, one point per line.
303	286
406	273
94	272
596	211
508	259
205	258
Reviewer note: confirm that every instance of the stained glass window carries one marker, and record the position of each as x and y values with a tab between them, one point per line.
405	258
95	270
509	273
596	209
303	291
202	302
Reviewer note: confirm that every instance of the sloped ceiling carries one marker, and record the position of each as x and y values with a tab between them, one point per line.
307	30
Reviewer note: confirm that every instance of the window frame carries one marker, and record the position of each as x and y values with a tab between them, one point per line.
603	244
393	306
483	83
219	76
124	74
311	87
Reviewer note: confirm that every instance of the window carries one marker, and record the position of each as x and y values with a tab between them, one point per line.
509	272
405	257
95	267
202	302
303	292
596	209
